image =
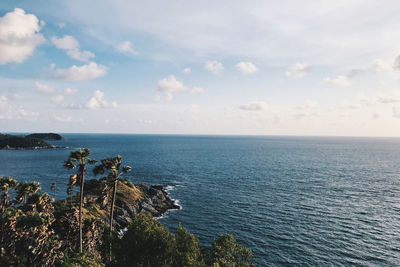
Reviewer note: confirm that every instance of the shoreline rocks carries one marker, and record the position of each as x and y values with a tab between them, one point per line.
156	201
7	147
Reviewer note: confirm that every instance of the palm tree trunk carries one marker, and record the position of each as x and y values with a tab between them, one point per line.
112	211
3	210
80	208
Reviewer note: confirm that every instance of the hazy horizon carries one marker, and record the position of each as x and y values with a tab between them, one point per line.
205	135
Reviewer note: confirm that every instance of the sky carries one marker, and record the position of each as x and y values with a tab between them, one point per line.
324	68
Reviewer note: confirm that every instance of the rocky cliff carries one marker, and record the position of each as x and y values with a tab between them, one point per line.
130	199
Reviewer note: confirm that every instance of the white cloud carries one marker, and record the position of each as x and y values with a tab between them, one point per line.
308	105
70	91
309	108
396	112
22	113
97	101
62	118
84	56
44	89
3	102
214	67
349	105
9	112
367	100
388	98
57	99
254	106
61	25
49	90
396	65
66	119
197	90
127	48
16	96
356	72
19	36
246	67
187	70
380	98
81	73
193	109
298	70
322	33
71	45
66	42
379	66
338	81
169	86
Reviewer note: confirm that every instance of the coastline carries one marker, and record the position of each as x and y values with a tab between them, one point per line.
131	199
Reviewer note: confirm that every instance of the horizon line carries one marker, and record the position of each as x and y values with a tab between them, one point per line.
220	135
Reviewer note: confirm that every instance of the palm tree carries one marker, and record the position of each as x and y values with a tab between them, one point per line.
26	189
78	158
70	191
6	183
112	165
53	188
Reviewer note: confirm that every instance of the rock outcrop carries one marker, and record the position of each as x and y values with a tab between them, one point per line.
155	201
130	199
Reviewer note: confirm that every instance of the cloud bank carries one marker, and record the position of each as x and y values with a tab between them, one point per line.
19	36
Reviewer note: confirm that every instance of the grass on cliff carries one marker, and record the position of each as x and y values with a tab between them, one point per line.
127	194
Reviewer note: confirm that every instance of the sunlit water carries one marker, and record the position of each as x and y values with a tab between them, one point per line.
304	201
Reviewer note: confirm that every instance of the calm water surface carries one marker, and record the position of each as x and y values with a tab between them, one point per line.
295	201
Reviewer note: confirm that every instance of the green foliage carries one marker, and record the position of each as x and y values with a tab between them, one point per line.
82	260
45	136
93	186
26	189
146	243
31	220
112	165
226	252
187	252
6	183
13	141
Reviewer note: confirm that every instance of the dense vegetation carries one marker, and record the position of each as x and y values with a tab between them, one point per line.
45	136
8	141
37	231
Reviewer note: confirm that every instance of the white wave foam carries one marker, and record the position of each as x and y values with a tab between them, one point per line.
169	188
176	202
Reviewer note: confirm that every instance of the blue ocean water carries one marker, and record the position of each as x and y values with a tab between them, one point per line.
295	201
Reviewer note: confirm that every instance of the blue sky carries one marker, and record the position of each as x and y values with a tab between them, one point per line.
201	67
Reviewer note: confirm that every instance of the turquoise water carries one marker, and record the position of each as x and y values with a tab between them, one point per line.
295	201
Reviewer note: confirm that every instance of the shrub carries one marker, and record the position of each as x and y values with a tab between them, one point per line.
146	243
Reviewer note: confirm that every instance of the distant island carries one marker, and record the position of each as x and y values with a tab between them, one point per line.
32	141
46	136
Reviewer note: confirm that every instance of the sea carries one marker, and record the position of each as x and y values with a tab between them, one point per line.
294	201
